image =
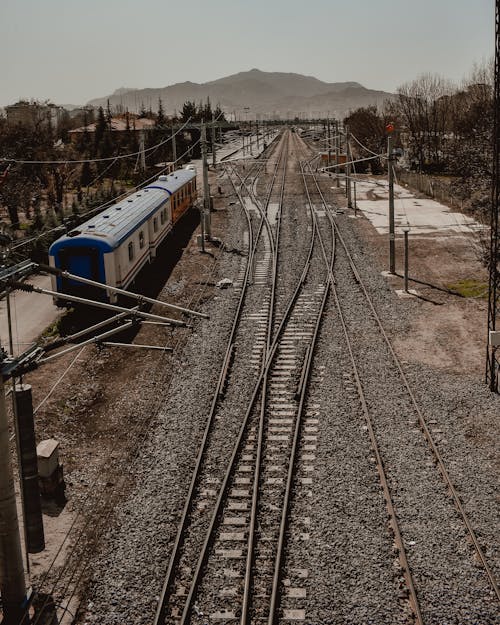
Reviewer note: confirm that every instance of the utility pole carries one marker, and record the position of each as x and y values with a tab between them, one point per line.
28	463
206	187
257	125
390	166
214	155
12	584
337	151
348	169
142	153
328	143
493	346
174	146
406	230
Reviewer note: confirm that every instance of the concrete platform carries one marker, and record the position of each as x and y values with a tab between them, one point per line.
422	215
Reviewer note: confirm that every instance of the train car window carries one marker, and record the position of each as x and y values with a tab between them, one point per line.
155	224
141	239
162	216
131	251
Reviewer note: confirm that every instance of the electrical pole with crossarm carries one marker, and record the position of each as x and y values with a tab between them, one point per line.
492	355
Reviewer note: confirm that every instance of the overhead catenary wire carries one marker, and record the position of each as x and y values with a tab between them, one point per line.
94	160
367	149
111	201
104	205
137	436
352	162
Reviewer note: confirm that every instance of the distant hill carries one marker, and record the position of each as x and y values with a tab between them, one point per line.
264	93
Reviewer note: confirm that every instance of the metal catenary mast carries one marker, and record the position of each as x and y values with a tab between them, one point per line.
493	352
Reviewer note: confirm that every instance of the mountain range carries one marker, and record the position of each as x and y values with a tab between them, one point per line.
254	93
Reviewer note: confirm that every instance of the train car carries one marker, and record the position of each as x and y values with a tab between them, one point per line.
114	246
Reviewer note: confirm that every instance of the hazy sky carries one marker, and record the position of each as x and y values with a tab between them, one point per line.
71	51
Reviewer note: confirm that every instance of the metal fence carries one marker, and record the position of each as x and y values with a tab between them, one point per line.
434	188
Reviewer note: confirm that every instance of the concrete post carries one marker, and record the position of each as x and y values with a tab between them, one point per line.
348	169
174	146
405	231
392	235
206	187
142	152
337	145
12	584
214	152
29	470
328	144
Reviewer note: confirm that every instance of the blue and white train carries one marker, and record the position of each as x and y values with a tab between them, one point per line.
114	246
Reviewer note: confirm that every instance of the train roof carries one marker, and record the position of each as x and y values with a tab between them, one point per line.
109	228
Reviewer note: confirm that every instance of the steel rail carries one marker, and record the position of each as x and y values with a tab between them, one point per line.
329	263
101	521
209	535
238	443
179	540
421	419
405	567
258	461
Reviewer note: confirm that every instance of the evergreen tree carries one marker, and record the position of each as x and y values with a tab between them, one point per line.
109	116
188	111
100	128
86	175
218	114
160	118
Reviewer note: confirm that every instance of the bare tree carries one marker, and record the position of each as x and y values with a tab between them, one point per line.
425	106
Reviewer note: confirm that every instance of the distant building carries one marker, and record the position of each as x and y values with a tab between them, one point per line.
33	114
118	124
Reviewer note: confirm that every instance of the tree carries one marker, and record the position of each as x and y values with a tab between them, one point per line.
109	115
367	124
219	114
425	107
160	117
100	128
86	175
188	111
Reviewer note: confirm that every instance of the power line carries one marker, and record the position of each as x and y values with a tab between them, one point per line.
95	160
106	204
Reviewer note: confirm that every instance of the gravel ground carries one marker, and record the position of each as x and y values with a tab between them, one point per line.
136	548
451	587
339	531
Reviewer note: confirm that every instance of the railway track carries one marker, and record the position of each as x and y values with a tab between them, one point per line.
425	569
256	221
313	496
237	568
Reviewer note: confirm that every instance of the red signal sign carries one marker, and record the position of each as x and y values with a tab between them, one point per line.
389	128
